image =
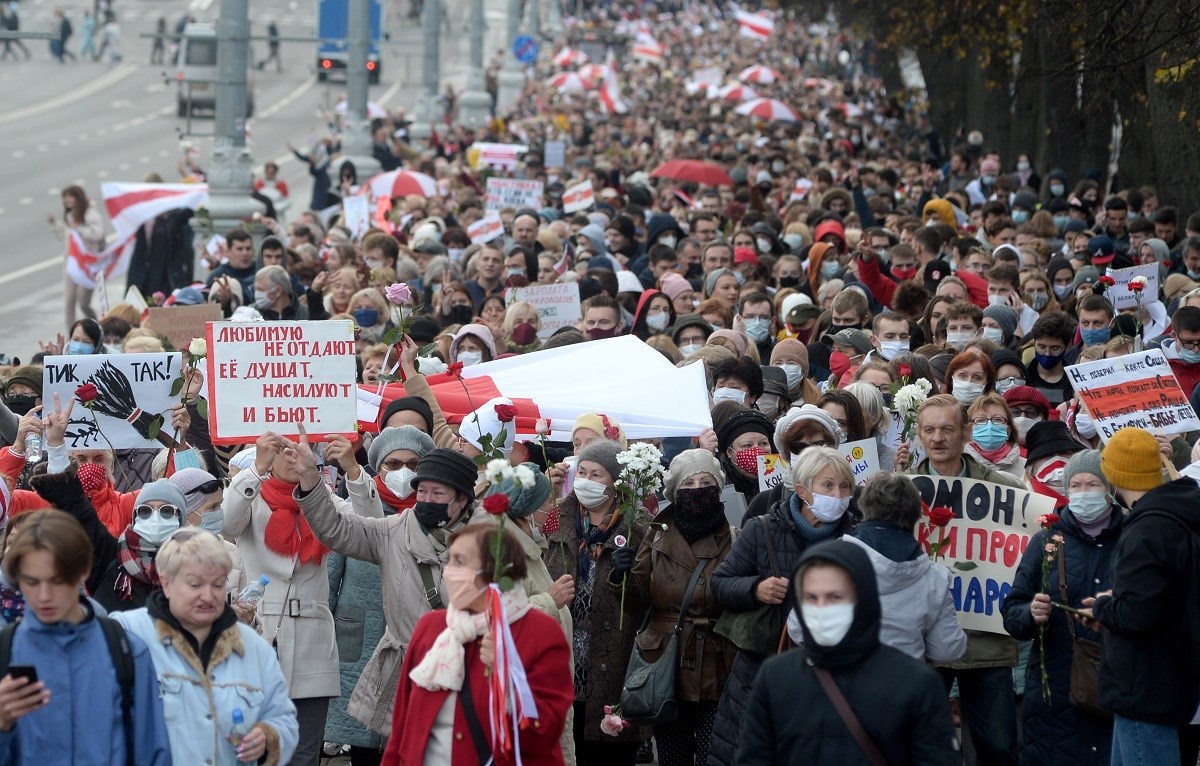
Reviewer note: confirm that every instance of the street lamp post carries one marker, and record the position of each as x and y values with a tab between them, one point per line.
356	137
426	112
511	77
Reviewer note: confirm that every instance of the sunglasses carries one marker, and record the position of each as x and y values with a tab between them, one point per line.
207	488
144	512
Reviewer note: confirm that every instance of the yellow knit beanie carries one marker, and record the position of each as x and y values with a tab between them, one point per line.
1131	460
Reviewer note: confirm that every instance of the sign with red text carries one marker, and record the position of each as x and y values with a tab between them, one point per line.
1122	297
271	376
863	457
514	193
1136	390
984	543
486	229
581	196
557	305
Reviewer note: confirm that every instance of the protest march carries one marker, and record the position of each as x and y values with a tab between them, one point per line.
708	405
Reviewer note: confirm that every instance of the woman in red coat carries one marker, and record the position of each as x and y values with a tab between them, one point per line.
435	721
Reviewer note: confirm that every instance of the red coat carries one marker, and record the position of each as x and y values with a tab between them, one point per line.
543	649
114	509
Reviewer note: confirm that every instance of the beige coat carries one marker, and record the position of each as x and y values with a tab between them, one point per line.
398	544
294	613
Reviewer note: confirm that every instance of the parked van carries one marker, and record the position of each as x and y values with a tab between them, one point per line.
196	71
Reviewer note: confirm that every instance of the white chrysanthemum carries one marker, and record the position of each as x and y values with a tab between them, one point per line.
498	470
524	477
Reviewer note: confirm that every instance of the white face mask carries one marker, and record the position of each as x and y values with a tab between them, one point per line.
690	348
967	392
1023	425
764	245
997	300
729	395
1085	425
828	508
112	348
793	373
263	299
1089	507
469	358
155	530
535	533
890	349
960	339
828	624
668	240
399	482
658	322
994	334
590	493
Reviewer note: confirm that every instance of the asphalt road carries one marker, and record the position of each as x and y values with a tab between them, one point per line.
86	122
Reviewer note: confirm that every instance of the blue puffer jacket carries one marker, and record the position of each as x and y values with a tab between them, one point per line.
1057	732
81	726
356	599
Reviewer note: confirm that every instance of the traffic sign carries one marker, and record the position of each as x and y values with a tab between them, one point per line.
525	48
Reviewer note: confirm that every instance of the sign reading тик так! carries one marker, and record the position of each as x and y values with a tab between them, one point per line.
991	528
270	376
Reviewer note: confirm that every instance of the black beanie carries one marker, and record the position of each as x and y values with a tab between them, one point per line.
448	467
742	422
414	403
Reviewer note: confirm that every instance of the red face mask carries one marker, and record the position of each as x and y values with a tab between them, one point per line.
904	274
747	459
91	476
839	363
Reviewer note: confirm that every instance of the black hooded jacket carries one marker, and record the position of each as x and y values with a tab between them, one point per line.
1142	675
900	702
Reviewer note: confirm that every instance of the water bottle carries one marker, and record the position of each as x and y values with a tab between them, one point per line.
254	591
33	447
240	729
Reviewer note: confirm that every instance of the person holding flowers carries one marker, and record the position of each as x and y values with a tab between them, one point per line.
1070	559
592	527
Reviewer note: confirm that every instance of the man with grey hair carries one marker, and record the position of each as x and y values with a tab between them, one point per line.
274	296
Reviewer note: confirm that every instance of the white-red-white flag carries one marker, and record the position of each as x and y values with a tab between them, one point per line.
610	94
581	196
131	205
756	26
801	189
83	266
486	229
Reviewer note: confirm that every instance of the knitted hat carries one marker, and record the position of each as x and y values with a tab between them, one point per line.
673	285
790	347
690	320
739	340
805	412
1028	395
603	425
523	502
1005	356
188	480
244	459
710	282
448	467
29	375
480	331
485	421
604	454
743	422
162	490
1131	460
1087	461
1175	284
389	440
413	403
689	463
1004	316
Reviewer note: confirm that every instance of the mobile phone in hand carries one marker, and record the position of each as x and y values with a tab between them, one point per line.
28	672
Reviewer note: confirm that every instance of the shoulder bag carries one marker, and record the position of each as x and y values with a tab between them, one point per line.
846	713
761	630
1085	658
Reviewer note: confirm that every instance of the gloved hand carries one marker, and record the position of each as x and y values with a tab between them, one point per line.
622	559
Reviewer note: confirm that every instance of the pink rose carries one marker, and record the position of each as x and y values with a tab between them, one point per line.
613	724
398	294
542	427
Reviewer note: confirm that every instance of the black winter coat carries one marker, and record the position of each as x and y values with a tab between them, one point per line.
900	702
733	584
1057	732
1140	674
163	262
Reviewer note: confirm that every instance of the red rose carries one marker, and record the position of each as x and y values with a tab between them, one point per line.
87	392
1106	280
904	370
496	504
455	369
505	412
1047	520
940	516
651	504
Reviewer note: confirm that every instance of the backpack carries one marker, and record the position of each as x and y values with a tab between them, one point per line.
122	659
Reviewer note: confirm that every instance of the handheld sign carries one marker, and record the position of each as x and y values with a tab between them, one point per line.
554	154
771	472
179	324
132	404
581	196
269	376
514	193
1137	390
863	457
991	529
557	305
486	229
1122	297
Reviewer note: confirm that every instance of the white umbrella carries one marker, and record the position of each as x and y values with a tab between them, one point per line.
737	92
760	74
768	109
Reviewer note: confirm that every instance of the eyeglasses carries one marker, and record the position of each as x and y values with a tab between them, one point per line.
144	512
1027	412
1190	345
207	488
1012	381
396	464
996	420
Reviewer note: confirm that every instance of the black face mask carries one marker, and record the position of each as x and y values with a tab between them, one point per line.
834	329
21	404
461	315
432	515
600	333
785	282
698	512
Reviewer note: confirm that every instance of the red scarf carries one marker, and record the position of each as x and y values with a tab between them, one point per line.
993	456
391	499
288	533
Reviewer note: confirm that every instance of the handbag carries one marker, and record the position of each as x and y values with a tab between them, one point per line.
846	713
761	630
1085	660
648	696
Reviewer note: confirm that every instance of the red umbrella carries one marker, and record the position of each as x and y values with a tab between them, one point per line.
705	173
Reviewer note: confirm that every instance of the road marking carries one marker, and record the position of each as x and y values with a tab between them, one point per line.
123	166
1	211
95	86
43	148
157	87
102	174
54	191
31	269
25	201
64	142
120	103
272	110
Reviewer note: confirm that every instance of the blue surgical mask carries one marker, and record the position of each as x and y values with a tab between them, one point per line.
79	347
213	521
1095	337
1189	356
1061	221
1062	291
829	269
366	317
1089	507
794	374
758	329
989	435
1020	216
1057	190
515	271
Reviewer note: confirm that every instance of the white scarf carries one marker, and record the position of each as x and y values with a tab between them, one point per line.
442	666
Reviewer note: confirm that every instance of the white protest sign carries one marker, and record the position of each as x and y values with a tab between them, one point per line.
1122	297
863	457
356	212
581	196
1136	390
497	155
557	305
771	472
270	376
132	403
991	529
555	154
514	193
486	229
102	292
133	296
